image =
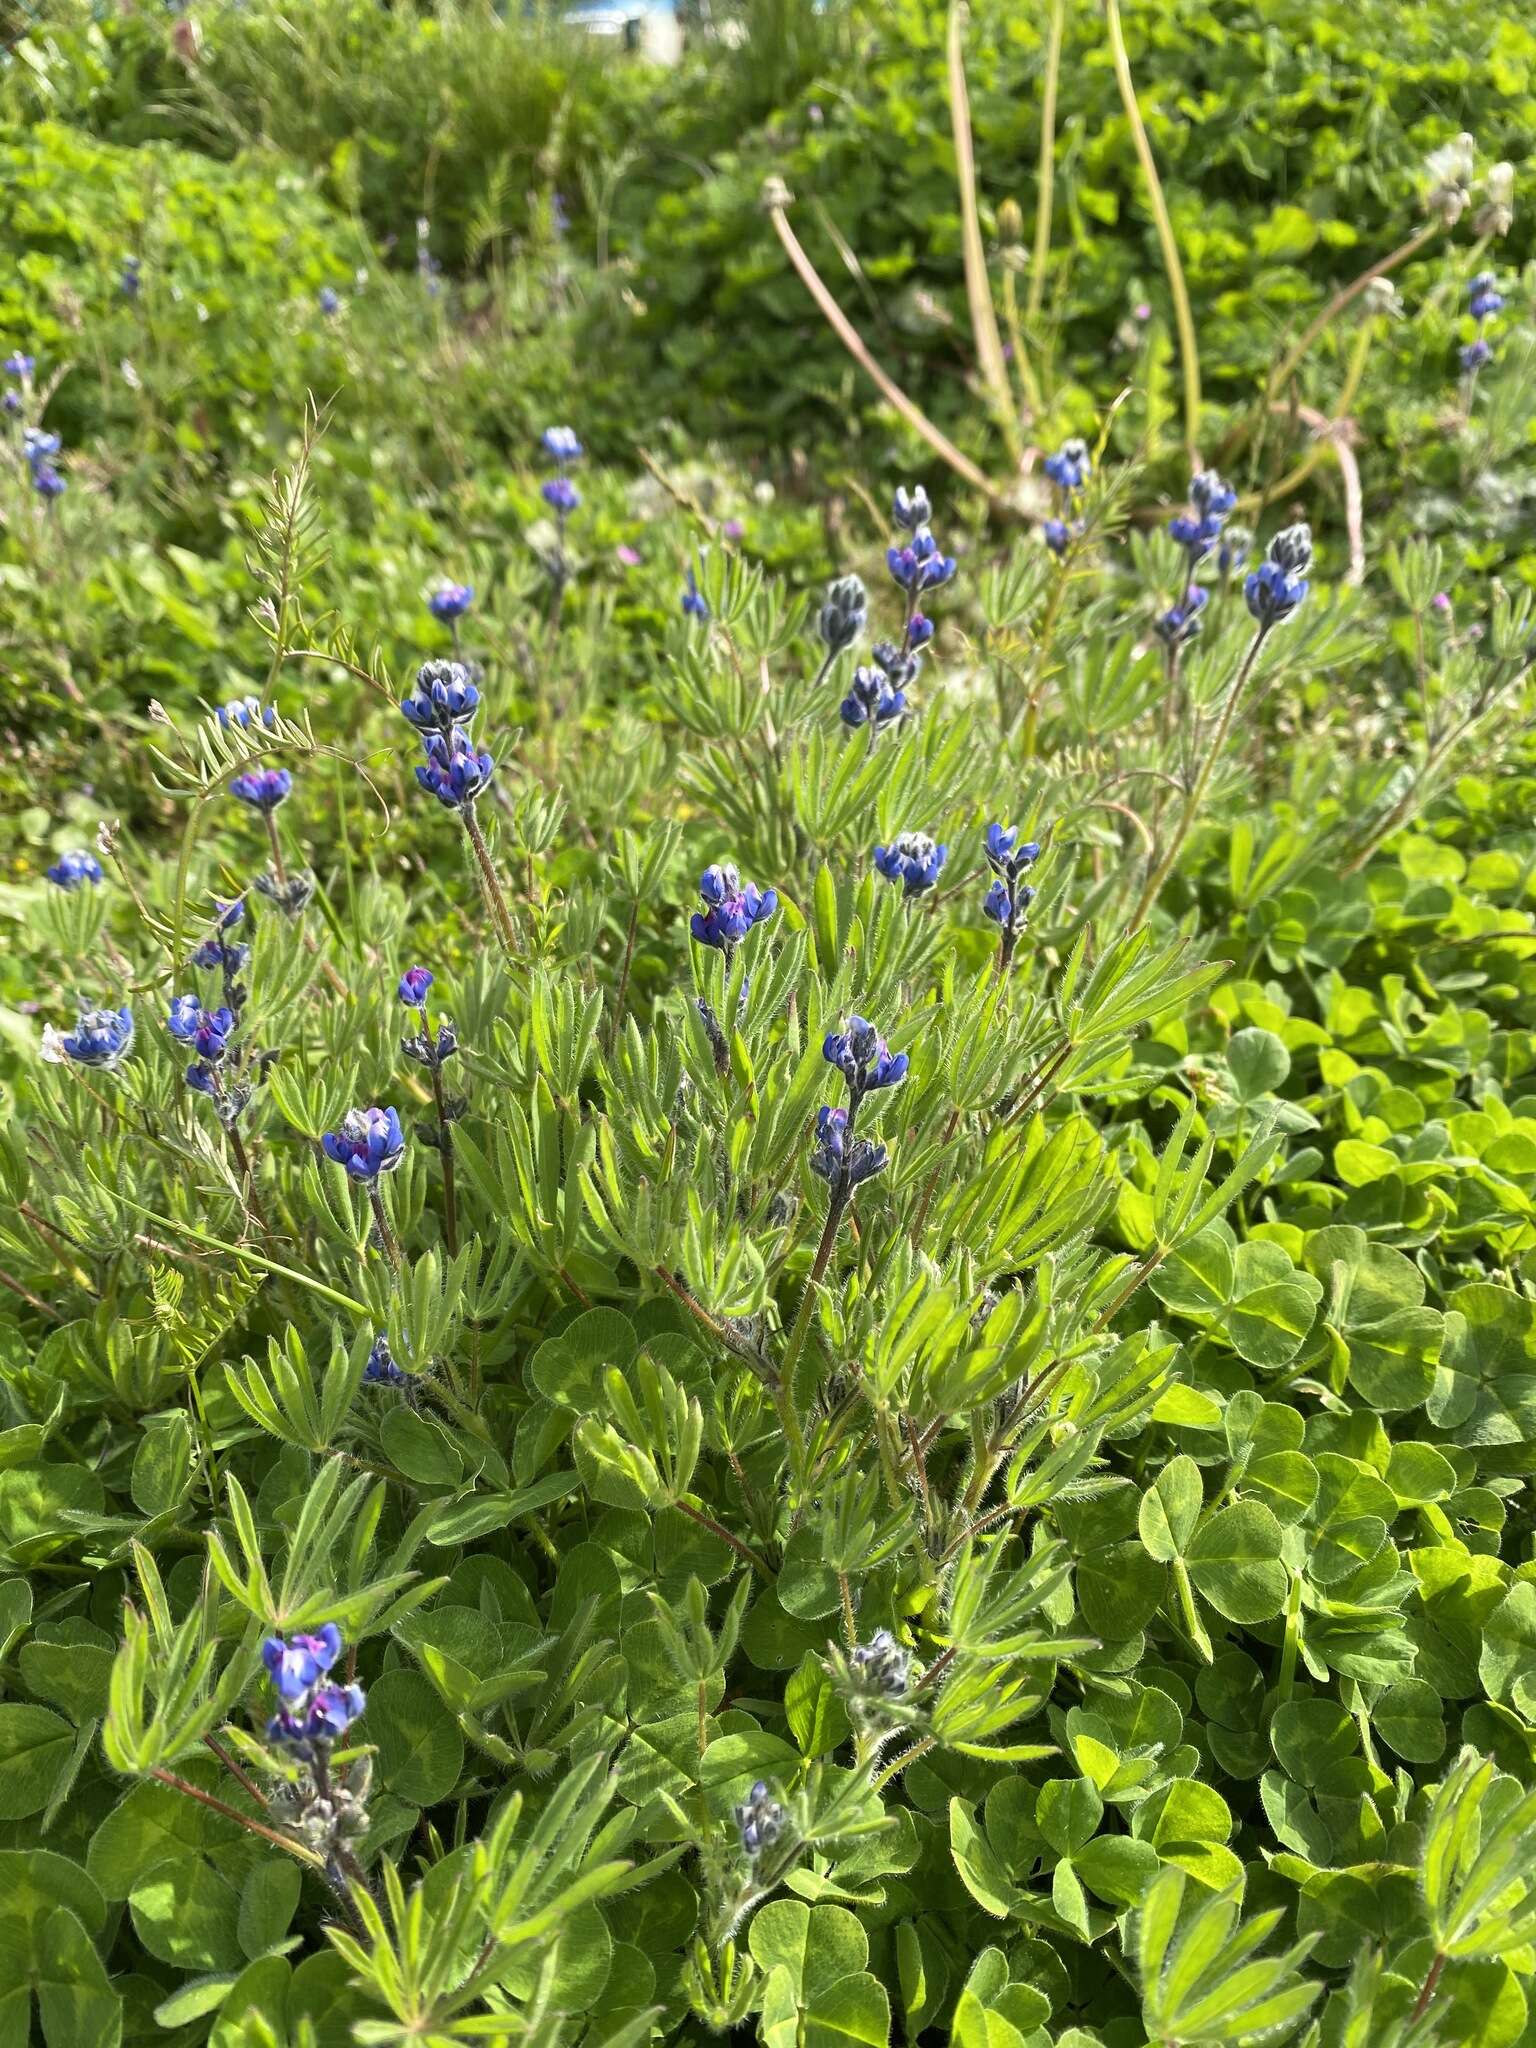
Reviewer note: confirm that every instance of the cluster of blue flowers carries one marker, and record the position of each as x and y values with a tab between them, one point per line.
70	870
695	603
210	1032
38	446
449	601
381	1369
558	491
867	1064
913	859
759	1821
428	1048
131	281
1009	898
441	707
1068	469
245	712
314	1713
731	908
1484	300
877	695
1279	584
262	788
101	1038
1201	532
368	1143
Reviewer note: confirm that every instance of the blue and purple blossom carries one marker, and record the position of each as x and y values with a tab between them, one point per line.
381	1369
130	280
414	984
1008	899
918	565
561	444
101	1038
444	697
1070	467
911	508
871	699
70	870
863	1058
759	1821
841	1161
455	770
1181	622
913	859
329	300
19	365
731	908
561	494
1476	354
368	1143
206	1031
263	788
1484	297
47	481
694	602
314	1713
450	601
300	1662
1279	584
245	712
1058	536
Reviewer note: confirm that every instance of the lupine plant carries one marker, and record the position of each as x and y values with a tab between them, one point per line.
928	1444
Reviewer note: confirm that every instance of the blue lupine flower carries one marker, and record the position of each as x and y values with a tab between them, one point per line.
246	712
1485	297
302	1661
71	869
206	1031
368	1143
202	1078
262	788
870	697
322	1720
130	280
216	953
47	482
1211	496
10	403
1070	467
414	984
911	508
1475	354
913	859
451	601
919	565
1196	536
843	617
863	1058
100	1038
228	913
443	698
919	631
1004	854
1058	536
561	444
694	603
381	1369
1279	584
759	1820
455	771
999	903
732	908
561	493
1181	622
37	445
330	301
19	365
839	1161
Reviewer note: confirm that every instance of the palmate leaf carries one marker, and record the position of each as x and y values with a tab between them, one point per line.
1202	1983
1479	1860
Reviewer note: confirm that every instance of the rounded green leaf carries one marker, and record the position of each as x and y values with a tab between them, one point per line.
421	1751
1234	1560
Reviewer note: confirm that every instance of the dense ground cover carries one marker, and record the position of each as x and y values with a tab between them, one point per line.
767	1258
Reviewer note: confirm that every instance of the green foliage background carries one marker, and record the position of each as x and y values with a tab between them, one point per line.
1229	1620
